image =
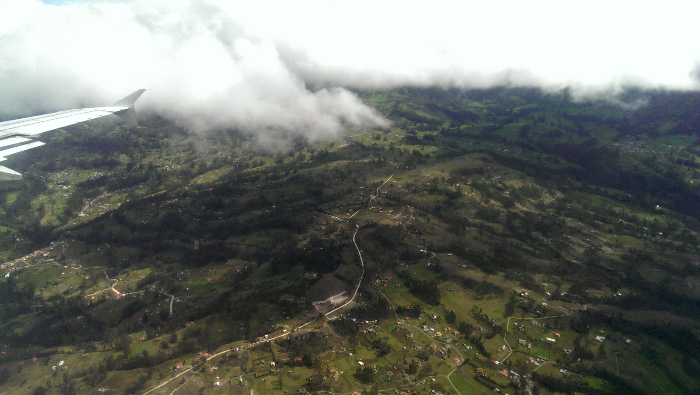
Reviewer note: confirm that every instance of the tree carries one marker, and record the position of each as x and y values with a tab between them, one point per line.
68	387
123	345
510	306
4	376
450	316
383	347
172	221
425	371
413	367
365	374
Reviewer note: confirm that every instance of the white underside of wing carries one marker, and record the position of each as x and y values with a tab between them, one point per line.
10	131
12	141
44	123
20	148
9	174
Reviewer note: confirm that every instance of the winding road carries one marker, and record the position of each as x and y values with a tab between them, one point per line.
326	315
359	282
172	299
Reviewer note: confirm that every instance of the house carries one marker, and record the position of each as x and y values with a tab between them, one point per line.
600	338
360	363
178	366
521	341
556	334
480	370
301	391
549	339
456	360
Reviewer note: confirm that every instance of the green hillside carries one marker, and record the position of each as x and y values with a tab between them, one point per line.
502	240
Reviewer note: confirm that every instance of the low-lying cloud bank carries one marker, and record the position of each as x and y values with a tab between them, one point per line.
282	68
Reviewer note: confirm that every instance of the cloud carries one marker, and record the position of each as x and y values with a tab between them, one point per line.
198	65
283	68
695	73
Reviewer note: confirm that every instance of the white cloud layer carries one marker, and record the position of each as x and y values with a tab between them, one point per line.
250	65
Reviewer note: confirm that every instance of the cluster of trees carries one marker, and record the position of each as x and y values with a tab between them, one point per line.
374	306
307	347
345	327
320	256
15	299
425	289
365	374
382	346
414	311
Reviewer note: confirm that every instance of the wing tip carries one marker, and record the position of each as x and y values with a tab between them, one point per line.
129	100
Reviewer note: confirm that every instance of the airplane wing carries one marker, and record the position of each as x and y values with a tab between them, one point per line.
11	131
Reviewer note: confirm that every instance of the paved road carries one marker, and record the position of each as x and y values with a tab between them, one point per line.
362	275
172	299
111	287
352	299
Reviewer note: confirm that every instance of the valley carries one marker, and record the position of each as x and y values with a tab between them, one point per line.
503	240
